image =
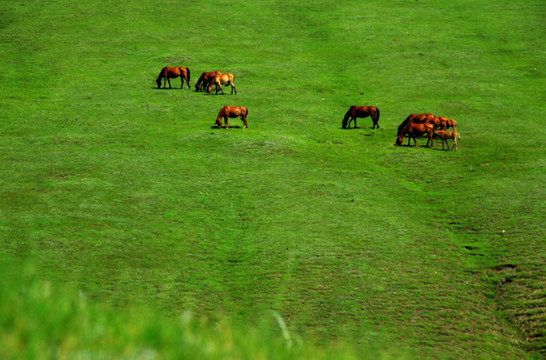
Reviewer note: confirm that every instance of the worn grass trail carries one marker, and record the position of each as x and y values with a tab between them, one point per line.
126	192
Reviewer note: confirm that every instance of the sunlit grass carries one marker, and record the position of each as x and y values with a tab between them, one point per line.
126	193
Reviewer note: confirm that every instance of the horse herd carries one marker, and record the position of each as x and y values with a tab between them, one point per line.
415	125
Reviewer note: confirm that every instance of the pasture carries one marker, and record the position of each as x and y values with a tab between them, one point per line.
128	196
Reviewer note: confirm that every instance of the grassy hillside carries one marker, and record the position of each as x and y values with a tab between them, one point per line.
127	194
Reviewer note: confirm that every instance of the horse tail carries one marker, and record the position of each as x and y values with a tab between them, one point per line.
377	115
188	71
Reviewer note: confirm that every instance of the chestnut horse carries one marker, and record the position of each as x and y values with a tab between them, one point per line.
232	112
204	80
417	119
360	112
168	73
413	130
219	80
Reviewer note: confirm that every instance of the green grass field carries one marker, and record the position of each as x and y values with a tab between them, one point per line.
124	195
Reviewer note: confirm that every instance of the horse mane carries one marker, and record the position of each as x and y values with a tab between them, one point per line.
346	117
404	130
403	125
161	74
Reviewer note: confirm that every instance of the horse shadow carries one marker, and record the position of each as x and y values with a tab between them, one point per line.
174	88
230	127
357	128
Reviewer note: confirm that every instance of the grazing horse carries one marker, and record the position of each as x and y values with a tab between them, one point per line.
232	112
417	119
204	80
413	130
219	80
444	123
445	135
168	73
360	112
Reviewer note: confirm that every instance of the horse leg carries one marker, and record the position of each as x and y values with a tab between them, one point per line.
169	80
375	122
243	117
412	136
218	85
233	89
226	119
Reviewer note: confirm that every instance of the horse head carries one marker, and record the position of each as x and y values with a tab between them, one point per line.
399	140
158	81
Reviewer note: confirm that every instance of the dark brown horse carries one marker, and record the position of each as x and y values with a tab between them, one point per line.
232	112
414	130
219	80
168	73
417	119
361	112
204	79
